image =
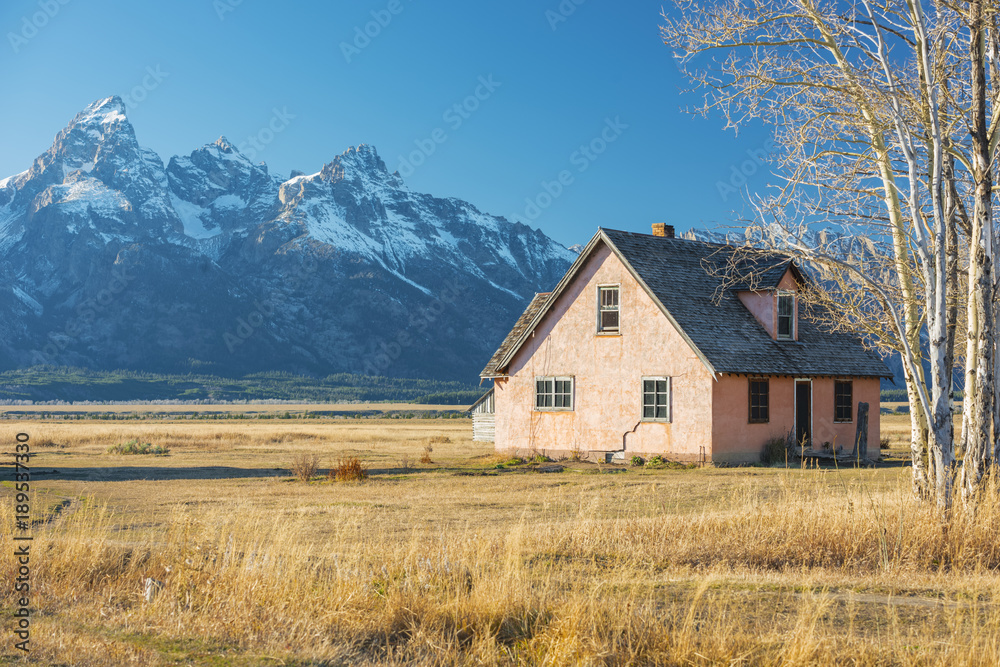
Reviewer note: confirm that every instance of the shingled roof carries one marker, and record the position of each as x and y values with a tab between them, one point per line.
684	278
513	339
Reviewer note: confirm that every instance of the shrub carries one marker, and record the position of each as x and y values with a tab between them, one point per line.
304	466
541	458
637	461
426	456
509	463
656	461
348	469
774	452
883	443
133	446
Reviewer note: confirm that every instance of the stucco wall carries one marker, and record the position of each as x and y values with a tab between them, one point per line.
763	305
710	418
736	440
608	371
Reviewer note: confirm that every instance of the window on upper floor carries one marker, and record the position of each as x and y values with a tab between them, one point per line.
554	393
759	402
843	401
607	309
656	399
786	316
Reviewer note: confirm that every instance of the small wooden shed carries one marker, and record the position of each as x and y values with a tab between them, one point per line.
483	418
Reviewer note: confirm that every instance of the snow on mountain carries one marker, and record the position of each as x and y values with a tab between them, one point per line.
119	261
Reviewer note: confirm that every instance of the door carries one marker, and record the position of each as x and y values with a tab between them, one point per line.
803	413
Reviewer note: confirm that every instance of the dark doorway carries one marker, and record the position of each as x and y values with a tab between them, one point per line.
803	413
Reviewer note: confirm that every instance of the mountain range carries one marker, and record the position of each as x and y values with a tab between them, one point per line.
212	263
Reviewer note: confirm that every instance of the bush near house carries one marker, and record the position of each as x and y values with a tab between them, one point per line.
774	452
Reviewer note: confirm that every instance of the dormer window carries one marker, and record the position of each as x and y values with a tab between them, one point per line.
607	309
786	316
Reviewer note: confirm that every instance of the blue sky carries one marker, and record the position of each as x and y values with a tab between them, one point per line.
547	91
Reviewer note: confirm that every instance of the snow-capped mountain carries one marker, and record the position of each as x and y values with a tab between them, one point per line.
113	260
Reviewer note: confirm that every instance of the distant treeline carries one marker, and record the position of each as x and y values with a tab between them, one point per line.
899	396
57	383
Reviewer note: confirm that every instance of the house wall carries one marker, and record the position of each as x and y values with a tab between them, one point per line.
608	371
738	441
763	304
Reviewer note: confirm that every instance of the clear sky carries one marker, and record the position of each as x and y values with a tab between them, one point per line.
558	76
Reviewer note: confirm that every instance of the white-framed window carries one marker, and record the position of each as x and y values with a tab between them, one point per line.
656	399
608	309
554	393
786	316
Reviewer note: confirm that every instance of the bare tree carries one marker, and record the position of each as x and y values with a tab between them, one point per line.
871	108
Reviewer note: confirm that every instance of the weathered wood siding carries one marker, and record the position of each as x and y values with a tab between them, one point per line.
484	427
484	419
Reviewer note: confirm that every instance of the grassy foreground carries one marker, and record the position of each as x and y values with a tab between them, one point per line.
470	560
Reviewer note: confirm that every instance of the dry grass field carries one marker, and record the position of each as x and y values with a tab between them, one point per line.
469	559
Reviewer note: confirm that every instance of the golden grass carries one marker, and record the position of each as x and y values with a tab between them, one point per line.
465	564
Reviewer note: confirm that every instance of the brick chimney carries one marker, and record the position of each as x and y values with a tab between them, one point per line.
661	229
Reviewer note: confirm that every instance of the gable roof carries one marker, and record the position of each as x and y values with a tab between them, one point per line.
682	278
517	334
482	399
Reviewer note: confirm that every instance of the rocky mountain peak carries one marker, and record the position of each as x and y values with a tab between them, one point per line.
357	163
225	270
225	145
98	134
109	112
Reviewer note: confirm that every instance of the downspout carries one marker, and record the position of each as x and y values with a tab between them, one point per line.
625	435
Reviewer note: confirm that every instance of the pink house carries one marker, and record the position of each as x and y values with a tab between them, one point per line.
643	348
